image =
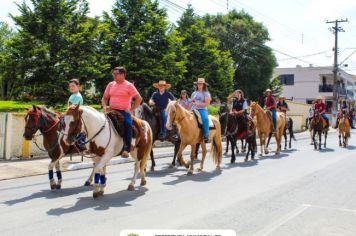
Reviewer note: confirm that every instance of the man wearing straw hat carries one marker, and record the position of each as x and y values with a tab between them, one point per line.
160	99
270	104
282	106
321	108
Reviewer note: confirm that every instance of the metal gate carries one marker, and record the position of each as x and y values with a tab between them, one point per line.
3	128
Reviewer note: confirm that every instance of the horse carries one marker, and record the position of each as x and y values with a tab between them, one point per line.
105	142
49	125
344	129
288	127
318	126
251	139
191	134
265	125
150	115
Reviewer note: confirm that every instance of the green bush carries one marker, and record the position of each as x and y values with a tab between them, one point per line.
213	110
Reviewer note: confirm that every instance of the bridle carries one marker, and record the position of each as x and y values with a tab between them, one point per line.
226	131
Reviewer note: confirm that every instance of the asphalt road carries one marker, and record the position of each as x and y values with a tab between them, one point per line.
299	192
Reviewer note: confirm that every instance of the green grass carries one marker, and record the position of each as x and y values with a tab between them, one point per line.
17	106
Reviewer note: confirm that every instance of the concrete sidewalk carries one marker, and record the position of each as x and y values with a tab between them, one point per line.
38	166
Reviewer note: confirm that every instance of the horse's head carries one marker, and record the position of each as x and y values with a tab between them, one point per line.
172	108
34	121
316	115
253	109
73	124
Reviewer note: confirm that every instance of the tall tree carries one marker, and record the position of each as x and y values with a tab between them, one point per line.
139	37
56	41
246	40
205	59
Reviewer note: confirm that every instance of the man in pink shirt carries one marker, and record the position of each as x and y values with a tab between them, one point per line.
120	92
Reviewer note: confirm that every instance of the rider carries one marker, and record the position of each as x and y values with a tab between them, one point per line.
282	106
270	104
321	108
239	104
344	109
184	99
160	98
200	101
119	93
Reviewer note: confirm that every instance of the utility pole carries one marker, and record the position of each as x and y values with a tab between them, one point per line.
336	29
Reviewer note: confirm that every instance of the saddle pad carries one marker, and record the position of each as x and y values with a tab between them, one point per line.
200	122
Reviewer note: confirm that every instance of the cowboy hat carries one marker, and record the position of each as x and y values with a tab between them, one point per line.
319	98
201	81
268	90
162	83
282	97
240	91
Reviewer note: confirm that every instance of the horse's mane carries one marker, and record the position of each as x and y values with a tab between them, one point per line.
49	112
146	108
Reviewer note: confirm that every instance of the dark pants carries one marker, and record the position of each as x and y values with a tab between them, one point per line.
128	129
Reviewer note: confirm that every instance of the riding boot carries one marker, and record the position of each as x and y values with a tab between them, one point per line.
337	123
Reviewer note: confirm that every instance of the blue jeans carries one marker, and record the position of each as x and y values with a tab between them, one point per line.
274	117
128	129
164	122
325	117
205	119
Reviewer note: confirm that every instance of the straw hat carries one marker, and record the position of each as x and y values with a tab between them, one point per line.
319	98
201	81
268	90
162	83
281	97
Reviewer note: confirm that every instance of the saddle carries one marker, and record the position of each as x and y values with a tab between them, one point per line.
117	120
269	114
200	122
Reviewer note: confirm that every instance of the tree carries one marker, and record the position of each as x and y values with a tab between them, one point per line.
204	57
6	68
140	38
276	86
246	40
56	42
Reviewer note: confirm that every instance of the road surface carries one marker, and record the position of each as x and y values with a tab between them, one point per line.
300	192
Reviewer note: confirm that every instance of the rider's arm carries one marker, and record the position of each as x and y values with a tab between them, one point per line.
151	102
137	102
206	102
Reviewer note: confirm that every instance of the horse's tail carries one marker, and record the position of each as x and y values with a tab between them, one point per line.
147	146
291	129
216	145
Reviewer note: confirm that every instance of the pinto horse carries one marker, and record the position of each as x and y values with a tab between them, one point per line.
105	142
344	129
192	135
318	126
48	123
265	126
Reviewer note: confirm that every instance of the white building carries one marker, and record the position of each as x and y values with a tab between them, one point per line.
304	84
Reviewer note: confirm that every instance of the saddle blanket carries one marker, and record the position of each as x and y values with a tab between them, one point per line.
200	122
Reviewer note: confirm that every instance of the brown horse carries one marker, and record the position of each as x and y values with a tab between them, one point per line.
344	129
265	126
192	135
318	126
48	124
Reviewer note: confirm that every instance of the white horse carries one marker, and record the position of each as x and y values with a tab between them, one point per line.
104	141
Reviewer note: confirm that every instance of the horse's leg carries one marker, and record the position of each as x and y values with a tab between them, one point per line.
131	186
100	163
197	151
90	178
192	158
227	145
143	163
243	147
233	158
52	181
264	143
248	150
173	164
204	151
340	144
180	155
153	163
313	138
59	174
103	181
285	139
261	143
320	134
325	136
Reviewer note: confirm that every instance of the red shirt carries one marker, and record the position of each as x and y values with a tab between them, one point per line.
320	107
120	95
270	103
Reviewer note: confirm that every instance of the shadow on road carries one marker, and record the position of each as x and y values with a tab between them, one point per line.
50	194
196	177
350	147
289	150
118	199
327	150
279	156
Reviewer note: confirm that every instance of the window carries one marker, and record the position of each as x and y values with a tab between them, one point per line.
287	79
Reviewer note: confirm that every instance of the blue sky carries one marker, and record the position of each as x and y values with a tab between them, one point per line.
297	28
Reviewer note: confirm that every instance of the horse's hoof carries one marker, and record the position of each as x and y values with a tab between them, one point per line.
277	153
53	186
131	188
233	161
58	186
87	183
266	152
190	173
152	169
143	182
101	193
199	169
260	154
246	160
96	194
218	168
171	166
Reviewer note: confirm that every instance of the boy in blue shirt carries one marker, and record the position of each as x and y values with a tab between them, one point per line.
76	98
